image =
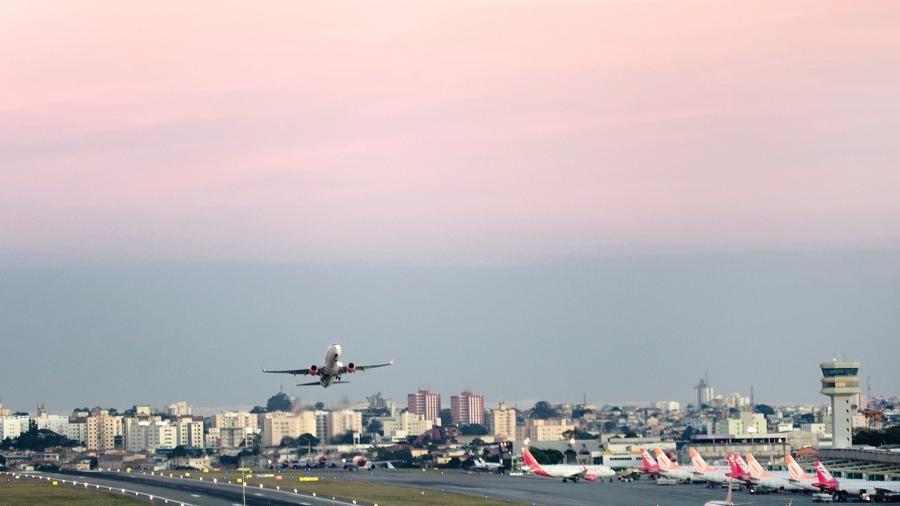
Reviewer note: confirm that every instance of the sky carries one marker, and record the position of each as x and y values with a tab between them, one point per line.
534	199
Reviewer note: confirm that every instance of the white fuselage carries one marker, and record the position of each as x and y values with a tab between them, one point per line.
715	475
569	471
331	369
854	487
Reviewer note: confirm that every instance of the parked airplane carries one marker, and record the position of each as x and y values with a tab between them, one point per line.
844	487
648	463
568	472
671	469
798	476
331	371
705	472
762	477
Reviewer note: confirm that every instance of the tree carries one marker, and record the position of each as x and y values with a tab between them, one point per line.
446	418
543	410
287	442
473	429
306	440
764	409
547	456
375	427
319	405
279	402
878	437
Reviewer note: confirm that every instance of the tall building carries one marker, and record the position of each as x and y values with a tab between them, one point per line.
549	430
236	420
280	424
467	408
426	404
503	422
840	381
190	432
102	429
342	421
12	426
405	424
705	392
179	409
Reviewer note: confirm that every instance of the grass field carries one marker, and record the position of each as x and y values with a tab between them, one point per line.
38	493
362	488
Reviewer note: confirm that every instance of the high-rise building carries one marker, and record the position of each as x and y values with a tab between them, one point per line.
467	408
342	421
102	429
405	424
190	432
236	420
426	404
503	422
840	381
705	392
280	424
179	409
549	430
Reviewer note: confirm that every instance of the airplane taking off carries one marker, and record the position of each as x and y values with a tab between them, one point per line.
568	472
331	371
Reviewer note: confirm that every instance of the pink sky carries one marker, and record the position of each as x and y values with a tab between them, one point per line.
445	131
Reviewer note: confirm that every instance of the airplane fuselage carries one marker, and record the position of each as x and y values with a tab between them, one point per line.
331	367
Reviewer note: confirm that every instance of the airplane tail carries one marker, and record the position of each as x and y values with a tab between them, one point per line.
664	462
700	465
648	463
738	468
797	473
825	479
756	470
533	465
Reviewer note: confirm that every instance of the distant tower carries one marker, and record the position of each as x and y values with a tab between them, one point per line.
840	381
704	391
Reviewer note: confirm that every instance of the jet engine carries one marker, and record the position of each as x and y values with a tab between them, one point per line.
313	370
351	368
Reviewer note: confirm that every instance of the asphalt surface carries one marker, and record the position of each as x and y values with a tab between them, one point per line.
192	491
523	489
547	491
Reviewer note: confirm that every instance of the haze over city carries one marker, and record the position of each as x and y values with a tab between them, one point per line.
538	200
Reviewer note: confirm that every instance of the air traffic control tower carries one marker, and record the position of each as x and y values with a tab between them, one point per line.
840	381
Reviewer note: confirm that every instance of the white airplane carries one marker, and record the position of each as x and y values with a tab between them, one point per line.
845	487
568	472
482	465
671	469
798	476
729	501
706	472
330	373
769	479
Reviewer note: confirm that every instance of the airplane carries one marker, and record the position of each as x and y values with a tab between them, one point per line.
671	469
648	463
844	487
798	475
706	472
764	478
729	501
568	472
330	373
481	465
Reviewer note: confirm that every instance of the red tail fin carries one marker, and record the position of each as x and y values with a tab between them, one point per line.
533	465
738	470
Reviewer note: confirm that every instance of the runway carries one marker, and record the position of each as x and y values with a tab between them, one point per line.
521	489
193	491
545	491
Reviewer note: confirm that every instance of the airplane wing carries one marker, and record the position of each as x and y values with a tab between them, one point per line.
311	383
288	371
361	368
